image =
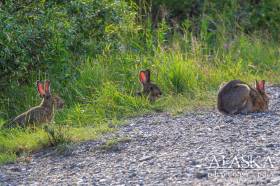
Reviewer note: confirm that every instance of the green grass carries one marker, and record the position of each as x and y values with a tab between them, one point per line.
188	70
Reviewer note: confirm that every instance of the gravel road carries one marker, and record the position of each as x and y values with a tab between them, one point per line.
199	148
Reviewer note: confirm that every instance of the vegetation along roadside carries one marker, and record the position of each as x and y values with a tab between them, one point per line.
92	51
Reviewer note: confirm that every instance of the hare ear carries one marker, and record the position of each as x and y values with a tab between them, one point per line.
260	85
40	88
142	77
148	74
47	86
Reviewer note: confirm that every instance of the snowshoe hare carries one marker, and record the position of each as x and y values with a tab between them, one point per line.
238	97
149	89
40	114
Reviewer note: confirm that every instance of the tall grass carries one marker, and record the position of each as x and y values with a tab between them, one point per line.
186	66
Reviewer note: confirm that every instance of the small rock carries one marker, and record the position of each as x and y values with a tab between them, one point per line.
201	175
15	169
146	158
131	175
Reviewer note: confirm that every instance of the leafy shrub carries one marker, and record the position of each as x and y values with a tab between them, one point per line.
45	35
49	39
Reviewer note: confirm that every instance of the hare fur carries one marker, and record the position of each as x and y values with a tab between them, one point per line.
149	89
42	113
237	97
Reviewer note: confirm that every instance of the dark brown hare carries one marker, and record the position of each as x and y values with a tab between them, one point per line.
42	113
238	97
149	89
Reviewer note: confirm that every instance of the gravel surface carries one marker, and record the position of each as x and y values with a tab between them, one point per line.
199	148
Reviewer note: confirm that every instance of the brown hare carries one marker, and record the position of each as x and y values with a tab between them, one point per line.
149	89
238	97
40	114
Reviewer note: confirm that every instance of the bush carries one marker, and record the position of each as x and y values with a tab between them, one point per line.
49	39
44	36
